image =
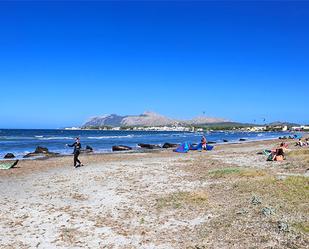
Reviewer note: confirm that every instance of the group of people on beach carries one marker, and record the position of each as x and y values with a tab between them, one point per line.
77	149
277	154
302	143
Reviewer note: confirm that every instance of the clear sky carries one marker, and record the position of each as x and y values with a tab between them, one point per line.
63	62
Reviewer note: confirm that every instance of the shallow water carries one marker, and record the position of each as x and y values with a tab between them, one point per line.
22	141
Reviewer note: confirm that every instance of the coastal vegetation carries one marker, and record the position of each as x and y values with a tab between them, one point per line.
178	199
236	172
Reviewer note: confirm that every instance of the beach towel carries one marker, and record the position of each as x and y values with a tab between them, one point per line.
209	147
200	147
183	148
197	147
269	157
8	165
266	152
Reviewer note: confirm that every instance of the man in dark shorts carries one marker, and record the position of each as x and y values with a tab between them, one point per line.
77	147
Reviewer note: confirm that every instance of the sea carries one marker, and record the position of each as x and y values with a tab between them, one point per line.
22	141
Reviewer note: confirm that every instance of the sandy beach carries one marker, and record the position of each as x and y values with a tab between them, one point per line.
230	197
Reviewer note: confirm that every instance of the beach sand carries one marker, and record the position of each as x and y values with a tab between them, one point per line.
230	197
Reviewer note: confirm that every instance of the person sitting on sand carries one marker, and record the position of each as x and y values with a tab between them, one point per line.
299	143
277	154
77	147
204	142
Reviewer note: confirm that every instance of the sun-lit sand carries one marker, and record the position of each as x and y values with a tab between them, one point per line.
159	200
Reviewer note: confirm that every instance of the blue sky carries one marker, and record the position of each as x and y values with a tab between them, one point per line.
63	62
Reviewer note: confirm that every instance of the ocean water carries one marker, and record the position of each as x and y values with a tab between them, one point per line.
22	141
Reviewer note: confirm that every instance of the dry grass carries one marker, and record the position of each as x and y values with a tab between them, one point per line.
180	199
235	172
292	192
300	152
299	157
302	226
239	222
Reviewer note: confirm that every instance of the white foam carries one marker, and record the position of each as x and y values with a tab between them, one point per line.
57	138
109	137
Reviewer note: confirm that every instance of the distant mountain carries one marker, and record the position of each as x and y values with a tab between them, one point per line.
146	119
112	120
205	120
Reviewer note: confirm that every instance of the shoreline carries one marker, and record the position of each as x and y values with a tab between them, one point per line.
136	150
102	142
29	165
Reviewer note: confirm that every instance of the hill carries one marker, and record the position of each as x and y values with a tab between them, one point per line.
147	119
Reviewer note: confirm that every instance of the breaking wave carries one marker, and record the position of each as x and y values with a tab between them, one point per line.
109	137
56	138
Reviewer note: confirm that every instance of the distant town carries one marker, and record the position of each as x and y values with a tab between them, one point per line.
262	128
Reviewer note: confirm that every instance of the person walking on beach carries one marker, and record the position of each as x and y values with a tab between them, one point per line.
77	146
204	142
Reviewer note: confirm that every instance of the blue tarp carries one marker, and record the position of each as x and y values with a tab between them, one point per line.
209	147
183	148
298	136
200	147
197	147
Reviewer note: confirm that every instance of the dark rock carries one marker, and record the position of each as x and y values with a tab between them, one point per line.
40	149
121	148
242	139
31	154
45	154
284	137
168	145
9	155
211	142
225	141
149	146
40	152
89	148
